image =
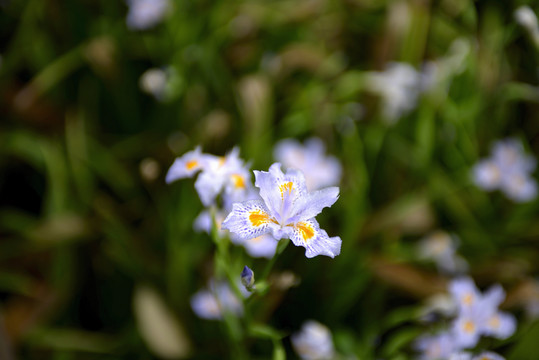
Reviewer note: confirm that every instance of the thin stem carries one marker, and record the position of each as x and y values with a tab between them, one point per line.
222	267
280	248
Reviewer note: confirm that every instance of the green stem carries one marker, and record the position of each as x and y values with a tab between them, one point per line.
280	248
222	267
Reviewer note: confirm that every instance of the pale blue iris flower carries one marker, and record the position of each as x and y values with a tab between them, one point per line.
441	247
144	14
313	342
262	246
434	347
218	299
479	314
320	170
287	210
509	170
226	175
399	87
188	165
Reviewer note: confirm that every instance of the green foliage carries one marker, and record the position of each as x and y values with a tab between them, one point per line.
86	216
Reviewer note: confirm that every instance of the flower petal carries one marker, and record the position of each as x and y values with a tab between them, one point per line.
267	182
261	246
500	325
205	305
281	191
315	240
208	187
248	220
465	293
186	165
493	297
312	204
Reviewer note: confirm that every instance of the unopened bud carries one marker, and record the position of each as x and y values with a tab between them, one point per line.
247	278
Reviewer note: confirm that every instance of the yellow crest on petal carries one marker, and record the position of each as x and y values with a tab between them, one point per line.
238	181
258	217
286	188
305	230
191	164
468	326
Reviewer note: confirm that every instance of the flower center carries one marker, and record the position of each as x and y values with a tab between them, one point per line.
191	164
468	327
238	181
494	322
467	299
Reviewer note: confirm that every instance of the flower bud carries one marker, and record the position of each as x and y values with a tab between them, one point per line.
247	278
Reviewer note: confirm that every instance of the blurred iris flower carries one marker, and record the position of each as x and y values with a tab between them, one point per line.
212	303
479	314
441	247
434	347
287	210
145	14
526	18
399	86
320	170
227	175
313	342
508	169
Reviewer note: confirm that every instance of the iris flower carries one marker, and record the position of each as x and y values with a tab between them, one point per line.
287	210
145	14
313	342
212	303
479	314
434	347
320	170
261	246
219	174
508	169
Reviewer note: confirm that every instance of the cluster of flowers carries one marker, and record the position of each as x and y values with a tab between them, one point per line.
475	315
507	169
228	179
283	206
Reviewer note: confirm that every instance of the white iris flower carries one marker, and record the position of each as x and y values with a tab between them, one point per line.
479	314
320	170
508	169
287	210
212	303
434	347
227	175
313	342
144	14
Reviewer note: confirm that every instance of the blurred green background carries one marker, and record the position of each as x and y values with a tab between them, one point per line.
87	221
